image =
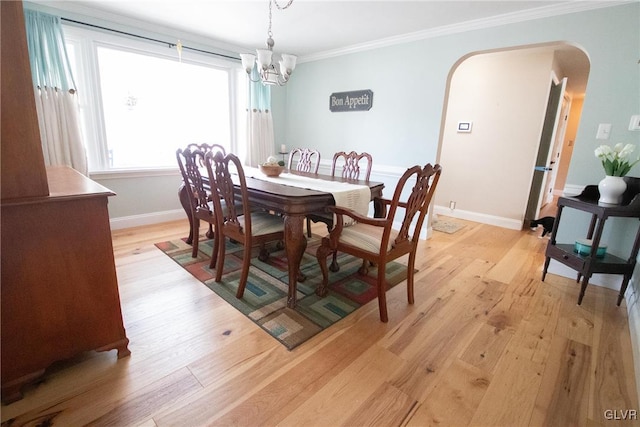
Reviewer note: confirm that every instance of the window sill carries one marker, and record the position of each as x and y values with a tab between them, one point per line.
133	173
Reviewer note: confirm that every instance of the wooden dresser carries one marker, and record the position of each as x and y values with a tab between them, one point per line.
59	291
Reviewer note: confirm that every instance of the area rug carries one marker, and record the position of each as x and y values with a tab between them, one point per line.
446	225
264	300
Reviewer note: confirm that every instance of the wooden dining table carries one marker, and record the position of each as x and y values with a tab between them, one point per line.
294	204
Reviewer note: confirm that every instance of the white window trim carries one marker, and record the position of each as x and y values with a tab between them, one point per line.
89	40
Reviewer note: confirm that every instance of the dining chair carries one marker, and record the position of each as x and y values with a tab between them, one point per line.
308	160
249	228
350	165
374	239
191	163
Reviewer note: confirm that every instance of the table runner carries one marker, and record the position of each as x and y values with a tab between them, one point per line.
351	196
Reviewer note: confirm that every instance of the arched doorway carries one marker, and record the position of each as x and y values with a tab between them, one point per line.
494	112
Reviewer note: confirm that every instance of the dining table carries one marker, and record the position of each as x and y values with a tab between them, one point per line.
294	203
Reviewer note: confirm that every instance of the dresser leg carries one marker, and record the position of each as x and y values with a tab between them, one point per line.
12	390
120	345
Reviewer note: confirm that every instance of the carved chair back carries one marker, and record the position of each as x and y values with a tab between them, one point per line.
351	165
221	169
189	162
308	161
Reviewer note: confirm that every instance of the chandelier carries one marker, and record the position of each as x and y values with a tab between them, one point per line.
271	72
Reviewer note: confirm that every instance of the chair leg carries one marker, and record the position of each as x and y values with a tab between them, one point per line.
246	263
321	255
364	268
382	294
308	227
410	269
214	253
334	267
220	262
264	253
196	238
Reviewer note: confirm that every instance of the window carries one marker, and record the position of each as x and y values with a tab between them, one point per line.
139	102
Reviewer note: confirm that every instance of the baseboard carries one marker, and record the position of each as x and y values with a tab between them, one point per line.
146	219
509	223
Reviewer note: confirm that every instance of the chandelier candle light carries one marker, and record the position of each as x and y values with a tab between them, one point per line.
270	72
616	166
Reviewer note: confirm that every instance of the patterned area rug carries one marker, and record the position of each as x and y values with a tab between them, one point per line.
264	300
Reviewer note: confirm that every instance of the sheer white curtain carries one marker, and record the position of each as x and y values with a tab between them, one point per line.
59	129
260	136
56	99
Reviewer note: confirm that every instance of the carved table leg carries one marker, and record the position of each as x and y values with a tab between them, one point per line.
379	209
295	245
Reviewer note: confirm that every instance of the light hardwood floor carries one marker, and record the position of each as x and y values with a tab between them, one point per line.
486	344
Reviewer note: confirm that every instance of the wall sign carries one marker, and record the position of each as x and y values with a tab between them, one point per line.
355	100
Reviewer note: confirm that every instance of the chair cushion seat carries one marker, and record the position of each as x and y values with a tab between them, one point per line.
366	237
263	223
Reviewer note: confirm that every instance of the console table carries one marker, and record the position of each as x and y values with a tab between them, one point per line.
587	265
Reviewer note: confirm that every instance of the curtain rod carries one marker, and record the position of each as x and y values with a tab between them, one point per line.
171	45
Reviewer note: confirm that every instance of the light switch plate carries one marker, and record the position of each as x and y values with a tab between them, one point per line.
465	126
604	129
634	124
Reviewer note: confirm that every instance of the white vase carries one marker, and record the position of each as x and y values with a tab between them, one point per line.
611	189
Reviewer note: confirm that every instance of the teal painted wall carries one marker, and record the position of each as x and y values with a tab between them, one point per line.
409	82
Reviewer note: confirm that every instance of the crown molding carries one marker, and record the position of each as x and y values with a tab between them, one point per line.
478	24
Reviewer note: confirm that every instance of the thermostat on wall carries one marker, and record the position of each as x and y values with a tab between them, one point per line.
464	126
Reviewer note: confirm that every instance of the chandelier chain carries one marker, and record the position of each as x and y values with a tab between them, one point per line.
269	33
283	7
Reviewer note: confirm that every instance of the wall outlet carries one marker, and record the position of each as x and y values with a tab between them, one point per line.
452	205
634	124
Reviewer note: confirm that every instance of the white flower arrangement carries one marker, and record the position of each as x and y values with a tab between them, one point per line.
615	160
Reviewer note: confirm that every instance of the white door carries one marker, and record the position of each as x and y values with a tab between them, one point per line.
545	152
556	152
